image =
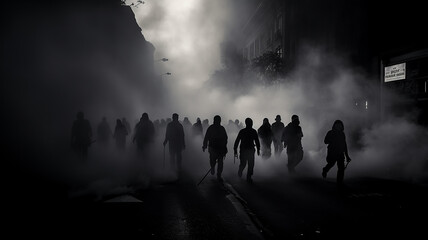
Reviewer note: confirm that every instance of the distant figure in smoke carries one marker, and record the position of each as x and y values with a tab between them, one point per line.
175	136
337	150
232	127
239	124
205	125
197	129
277	128
216	140
127	125
186	123
265	135
292	138
120	134
144	133
81	134
104	132
248	138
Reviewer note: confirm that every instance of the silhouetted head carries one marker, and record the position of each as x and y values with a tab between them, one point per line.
278	118
206	121
236	121
118	121
104	119
145	116
265	121
175	117
80	115
186	119
338	126
295	119
217	120
198	120
248	123
123	120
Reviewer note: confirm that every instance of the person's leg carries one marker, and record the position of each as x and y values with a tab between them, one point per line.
242	162
219	166
291	161
250	170
212	162
340	171
179	160
330	163
171	159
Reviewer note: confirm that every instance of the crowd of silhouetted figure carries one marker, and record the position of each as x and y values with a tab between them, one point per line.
214	138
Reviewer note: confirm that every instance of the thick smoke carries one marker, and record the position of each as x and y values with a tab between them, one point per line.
322	88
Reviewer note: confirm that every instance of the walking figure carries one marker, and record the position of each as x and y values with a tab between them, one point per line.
216	139
277	128
81	134
120	133
248	138
197	128
337	150
127	125
144	134
104	132
175	136
266	136
292	138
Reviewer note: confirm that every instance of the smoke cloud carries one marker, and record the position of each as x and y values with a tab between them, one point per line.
323	87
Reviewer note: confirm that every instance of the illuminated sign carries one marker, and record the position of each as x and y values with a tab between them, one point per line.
395	72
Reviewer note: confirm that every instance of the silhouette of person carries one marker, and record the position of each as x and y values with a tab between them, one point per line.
197	128
186	123
292	138
104	132
277	128
175	136
265	135
238	124
247	138
144	133
120	134
127	125
337	150
231	127
81	134
216	140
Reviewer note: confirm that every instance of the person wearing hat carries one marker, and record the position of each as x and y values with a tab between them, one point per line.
277	128
292	138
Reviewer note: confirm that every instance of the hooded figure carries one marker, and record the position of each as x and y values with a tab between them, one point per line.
266	136
144	133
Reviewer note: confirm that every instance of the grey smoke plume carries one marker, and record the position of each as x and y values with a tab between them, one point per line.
324	87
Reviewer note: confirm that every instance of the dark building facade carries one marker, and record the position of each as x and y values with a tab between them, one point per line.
370	34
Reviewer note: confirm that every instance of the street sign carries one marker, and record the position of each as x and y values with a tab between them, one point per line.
395	72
